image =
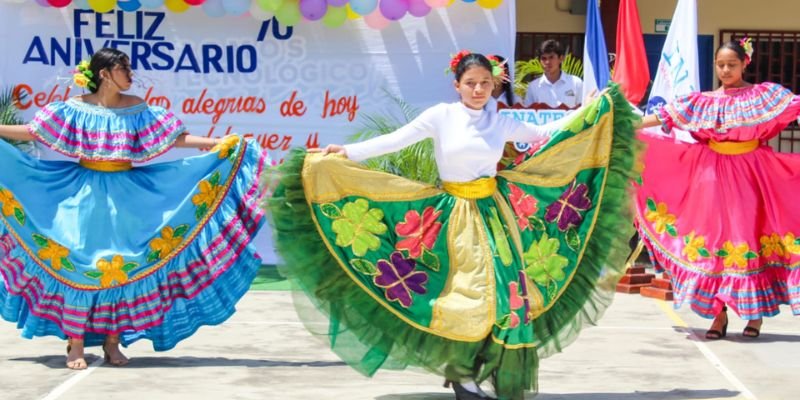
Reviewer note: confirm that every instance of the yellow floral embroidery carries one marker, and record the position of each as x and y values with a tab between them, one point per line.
789	244
9	202
166	243
735	254
53	252
112	271
661	218
225	145
771	245
693	247
208	193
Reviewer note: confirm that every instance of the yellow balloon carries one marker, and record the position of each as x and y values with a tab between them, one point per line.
176	6
350	13
489	3
102	6
450	3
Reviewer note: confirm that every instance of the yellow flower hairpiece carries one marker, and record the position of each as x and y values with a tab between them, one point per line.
82	76
747	45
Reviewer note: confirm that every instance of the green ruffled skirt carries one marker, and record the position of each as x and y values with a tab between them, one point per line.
479	280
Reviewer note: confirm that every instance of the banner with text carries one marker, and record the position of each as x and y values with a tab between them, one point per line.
286	86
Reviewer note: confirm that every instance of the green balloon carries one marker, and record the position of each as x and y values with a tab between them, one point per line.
270	5
335	17
288	13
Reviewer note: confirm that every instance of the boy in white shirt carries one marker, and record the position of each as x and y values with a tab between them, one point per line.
554	87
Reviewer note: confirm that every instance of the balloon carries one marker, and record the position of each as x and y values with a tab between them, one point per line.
176	6
376	20
195	2
437	3
269	5
259	13
59	3
335	17
489	3
213	8
151	3
236	7
394	9
313	10
288	13
102	6
337	3
363	7
79	4
129	5
43	3
418	8
350	13
469	1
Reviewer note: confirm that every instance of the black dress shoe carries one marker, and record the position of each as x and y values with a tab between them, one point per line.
464	394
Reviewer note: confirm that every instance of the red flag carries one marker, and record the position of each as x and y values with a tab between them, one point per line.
631	70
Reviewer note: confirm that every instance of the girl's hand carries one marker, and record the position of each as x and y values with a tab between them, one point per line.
330	149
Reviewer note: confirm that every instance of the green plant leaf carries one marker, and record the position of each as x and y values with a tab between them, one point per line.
330	210
180	230
93	274
703	252
504	323
672	231
651	205
750	255
67	264
573	240
536	223
721	253
129	266
40	240
154	256
201	211
19	215
430	260
363	266
215	177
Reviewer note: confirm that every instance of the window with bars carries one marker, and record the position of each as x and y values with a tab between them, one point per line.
776	58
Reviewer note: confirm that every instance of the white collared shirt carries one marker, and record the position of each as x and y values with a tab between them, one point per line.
567	90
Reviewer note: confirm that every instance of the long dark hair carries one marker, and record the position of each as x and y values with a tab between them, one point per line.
105	58
737	48
472	60
506	85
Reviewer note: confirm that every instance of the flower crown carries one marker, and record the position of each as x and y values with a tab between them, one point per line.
747	45
497	67
82	76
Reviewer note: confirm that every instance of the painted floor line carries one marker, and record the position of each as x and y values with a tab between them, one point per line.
59	390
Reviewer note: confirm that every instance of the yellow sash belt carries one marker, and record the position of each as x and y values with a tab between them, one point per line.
477	189
106	166
734	148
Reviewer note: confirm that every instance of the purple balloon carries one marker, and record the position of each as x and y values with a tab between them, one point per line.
313	10
418	8
337	3
394	9
43	3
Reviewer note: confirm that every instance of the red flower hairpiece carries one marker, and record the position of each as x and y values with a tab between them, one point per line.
456	59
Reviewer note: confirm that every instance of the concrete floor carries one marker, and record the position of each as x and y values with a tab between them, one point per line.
640	351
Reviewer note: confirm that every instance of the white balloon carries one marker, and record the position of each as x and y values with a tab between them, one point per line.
258	13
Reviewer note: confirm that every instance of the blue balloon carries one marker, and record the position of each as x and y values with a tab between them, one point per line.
469	1
213	8
236	7
129	5
81	4
363	7
151	3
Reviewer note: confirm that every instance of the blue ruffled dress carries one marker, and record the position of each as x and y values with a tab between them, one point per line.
99	247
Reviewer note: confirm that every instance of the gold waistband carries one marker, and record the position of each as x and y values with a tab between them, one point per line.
477	189
106	166
734	148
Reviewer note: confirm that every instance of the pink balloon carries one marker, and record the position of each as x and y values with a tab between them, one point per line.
59	3
313	10
337	3
418	8
394	9
43	3
376	20
194	2
437	3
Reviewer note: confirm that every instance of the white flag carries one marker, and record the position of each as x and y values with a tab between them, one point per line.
678	72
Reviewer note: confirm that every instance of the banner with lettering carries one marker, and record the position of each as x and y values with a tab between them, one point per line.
303	85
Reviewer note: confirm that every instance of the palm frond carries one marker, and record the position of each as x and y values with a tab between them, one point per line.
9	115
526	71
415	162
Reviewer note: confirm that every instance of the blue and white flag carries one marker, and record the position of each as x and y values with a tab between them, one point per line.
678	72
595	53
